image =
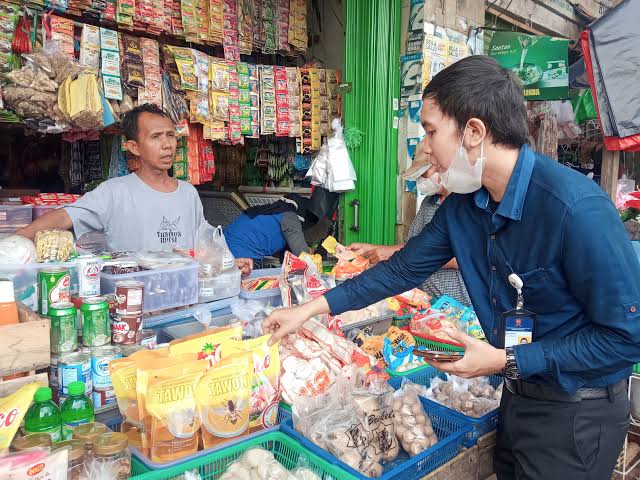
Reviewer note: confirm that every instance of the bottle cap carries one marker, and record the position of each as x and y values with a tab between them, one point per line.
43	394
76	388
7	294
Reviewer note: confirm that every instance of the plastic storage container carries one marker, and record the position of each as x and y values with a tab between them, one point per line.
25	279
14	217
186	315
377	325
479	426
211	466
223	286
450	431
40	210
163	288
191	328
270	295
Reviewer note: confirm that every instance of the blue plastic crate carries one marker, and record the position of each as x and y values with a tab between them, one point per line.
450	431
480	426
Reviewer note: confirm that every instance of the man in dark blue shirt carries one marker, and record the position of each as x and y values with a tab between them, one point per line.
564	411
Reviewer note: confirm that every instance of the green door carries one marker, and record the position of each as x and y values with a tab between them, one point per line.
372	46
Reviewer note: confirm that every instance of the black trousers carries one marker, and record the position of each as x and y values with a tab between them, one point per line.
548	440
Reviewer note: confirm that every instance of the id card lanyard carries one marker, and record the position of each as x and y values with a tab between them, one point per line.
518	324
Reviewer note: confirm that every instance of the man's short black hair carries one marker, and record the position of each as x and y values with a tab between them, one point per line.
477	87
130	119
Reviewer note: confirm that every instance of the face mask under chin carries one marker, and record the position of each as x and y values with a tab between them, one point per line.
462	176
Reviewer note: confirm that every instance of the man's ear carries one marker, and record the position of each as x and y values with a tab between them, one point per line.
132	146
476	132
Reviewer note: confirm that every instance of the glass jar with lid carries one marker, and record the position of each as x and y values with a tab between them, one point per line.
111	454
35	440
87	433
76	457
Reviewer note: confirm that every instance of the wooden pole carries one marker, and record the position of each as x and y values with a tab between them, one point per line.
609	175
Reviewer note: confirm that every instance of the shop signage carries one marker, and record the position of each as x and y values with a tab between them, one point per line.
540	62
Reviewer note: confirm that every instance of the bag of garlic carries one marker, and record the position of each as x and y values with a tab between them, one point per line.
260	464
472	397
334	422
376	402
413	426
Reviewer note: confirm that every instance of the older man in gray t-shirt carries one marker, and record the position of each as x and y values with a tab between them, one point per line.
134	216
146	210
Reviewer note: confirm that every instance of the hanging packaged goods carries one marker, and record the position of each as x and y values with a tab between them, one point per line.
84	77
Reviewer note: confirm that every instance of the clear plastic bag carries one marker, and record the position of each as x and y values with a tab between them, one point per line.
301	281
256	464
212	251
413	426
21	465
332	168
472	397
17	249
251	313
334	421
342	175
376	402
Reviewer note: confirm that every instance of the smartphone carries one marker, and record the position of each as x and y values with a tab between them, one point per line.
438	356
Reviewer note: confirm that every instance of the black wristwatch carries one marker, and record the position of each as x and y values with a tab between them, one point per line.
511	368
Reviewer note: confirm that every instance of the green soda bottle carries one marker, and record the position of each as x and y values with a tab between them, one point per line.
77	409
43	416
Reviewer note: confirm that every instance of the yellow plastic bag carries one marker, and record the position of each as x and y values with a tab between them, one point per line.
171	403
223	396
266	380
205	345
12	410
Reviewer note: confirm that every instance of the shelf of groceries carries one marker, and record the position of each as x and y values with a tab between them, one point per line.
157	368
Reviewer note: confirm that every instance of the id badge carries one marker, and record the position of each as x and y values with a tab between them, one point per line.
518	326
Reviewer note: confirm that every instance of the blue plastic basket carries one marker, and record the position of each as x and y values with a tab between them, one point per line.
479	426
450	431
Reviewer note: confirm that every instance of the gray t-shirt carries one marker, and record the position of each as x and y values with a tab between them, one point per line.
133	216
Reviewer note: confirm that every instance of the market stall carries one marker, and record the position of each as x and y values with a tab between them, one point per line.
250	113
176	361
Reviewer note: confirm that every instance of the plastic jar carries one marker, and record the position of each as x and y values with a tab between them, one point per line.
111	454
76	457
87	433
35	440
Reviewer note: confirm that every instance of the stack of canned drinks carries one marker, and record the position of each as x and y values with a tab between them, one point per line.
84	326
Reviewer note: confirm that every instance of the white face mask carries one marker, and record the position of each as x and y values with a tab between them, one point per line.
461	176
428	186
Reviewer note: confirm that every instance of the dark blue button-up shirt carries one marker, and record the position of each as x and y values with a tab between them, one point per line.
561	234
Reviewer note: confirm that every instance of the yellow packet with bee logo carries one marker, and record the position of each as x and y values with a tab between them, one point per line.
171	403
123	374
146	366
223	396
266	380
